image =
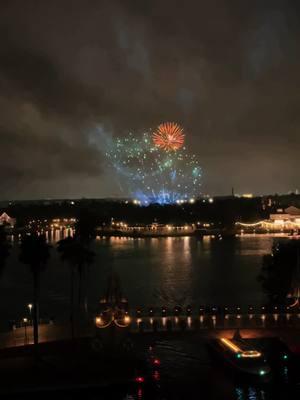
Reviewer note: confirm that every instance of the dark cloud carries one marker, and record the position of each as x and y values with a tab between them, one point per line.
227	71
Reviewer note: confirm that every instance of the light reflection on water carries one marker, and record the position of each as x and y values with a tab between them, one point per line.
250	393
153	271
189	372
159	271
185	270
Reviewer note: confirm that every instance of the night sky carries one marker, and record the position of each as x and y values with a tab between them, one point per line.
228	71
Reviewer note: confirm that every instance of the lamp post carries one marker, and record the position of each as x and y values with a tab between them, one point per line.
30	306
30	309
25	320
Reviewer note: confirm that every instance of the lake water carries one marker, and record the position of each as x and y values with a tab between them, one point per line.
154	271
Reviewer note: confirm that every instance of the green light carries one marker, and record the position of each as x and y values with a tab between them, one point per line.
238	355
285	357
262	372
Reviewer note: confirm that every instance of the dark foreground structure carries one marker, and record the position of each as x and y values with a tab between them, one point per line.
156	356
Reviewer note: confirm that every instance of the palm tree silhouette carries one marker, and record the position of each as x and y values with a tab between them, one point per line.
4	249
35	252
85	233
279	273
78	256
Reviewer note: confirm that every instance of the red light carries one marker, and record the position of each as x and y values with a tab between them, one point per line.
140	379
156	376
156	361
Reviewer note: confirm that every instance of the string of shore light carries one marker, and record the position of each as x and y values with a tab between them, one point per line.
264	222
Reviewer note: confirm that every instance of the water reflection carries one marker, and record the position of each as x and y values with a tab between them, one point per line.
153	272
52	235
170	271
285	374
250	393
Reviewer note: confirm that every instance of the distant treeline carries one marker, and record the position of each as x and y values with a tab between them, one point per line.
222	211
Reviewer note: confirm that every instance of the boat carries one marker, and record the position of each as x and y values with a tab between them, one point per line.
113	306
275	350
114	342
241	357
112	322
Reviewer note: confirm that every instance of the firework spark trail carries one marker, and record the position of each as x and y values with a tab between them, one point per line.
169	136
152	174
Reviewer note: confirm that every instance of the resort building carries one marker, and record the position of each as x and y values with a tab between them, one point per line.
5	219
288	217
284	220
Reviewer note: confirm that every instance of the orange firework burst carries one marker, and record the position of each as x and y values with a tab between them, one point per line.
168	136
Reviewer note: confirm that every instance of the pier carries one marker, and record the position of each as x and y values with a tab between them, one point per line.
163	321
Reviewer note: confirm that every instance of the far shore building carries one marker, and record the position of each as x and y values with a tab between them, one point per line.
288	218
284	220
5	219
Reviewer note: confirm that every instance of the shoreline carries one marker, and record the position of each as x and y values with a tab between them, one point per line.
164	233
191	234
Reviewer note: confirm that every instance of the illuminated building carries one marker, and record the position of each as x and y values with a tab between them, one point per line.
288	217
5	219
284	220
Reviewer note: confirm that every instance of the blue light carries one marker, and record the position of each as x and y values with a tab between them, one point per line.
160	197
151	175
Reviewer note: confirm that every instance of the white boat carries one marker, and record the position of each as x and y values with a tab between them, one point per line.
242	357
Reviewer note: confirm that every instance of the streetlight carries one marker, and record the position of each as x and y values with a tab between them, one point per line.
30	309
25	320
126	319
30	313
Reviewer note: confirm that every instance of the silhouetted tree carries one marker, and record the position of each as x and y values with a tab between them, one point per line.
4	249
85	259
85	233
68	250
279	270
85	227
35	252
78	256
